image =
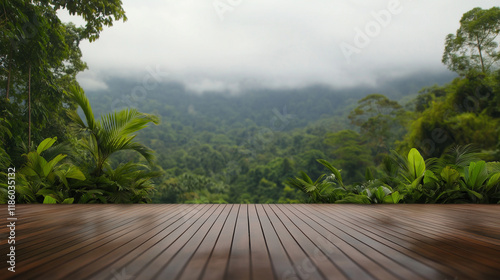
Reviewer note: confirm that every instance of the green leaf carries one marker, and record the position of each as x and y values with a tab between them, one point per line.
416	164
494	179
476	174
429	177
367	192
305	177
449	175
47	143
334	170
75	173
68	201
47	168
476	194
49	200
28	171
395	197
380	193
355	198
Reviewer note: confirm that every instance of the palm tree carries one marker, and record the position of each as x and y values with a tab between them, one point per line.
114	132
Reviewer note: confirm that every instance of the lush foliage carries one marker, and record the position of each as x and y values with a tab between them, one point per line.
474	48
40	58
457	177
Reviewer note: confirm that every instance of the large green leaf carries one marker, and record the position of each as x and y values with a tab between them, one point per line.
49	200
394	197
476	174
47	143
380	193
47	168
416	164
28	171
494	180
74	173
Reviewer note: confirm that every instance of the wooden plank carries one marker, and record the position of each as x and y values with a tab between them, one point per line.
388	238
282	266
180	257
383	245
362	254
394	261
304	267
194	267
32	266
217	263
112	262
254	242
260	260
133	262
333	251
239	258
70	232
96	246
440	251
314	259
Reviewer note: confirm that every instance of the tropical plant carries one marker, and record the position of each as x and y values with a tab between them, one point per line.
113	133
457	177
331	189
100	140
128	183
477	183
47	179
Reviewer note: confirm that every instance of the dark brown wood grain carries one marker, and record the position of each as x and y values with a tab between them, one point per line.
254	241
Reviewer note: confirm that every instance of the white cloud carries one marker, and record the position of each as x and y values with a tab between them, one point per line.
90	80
272	43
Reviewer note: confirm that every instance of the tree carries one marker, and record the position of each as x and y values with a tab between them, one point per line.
39	58
114	132
474	48
349	153
377	118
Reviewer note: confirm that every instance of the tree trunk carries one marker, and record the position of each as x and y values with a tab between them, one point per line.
480	54
8	77
29	108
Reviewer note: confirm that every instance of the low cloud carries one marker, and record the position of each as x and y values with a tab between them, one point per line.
274	43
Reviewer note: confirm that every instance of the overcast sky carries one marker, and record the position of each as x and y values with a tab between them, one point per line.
233	44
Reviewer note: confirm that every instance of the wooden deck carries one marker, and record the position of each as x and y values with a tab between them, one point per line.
123	242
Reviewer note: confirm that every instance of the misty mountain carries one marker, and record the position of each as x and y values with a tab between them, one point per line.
274	108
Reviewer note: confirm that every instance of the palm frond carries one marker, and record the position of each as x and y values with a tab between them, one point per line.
146	152
461	156
77	94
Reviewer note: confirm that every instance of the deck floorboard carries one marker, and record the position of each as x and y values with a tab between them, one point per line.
253	241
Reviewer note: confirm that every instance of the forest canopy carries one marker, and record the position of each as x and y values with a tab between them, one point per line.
317	144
